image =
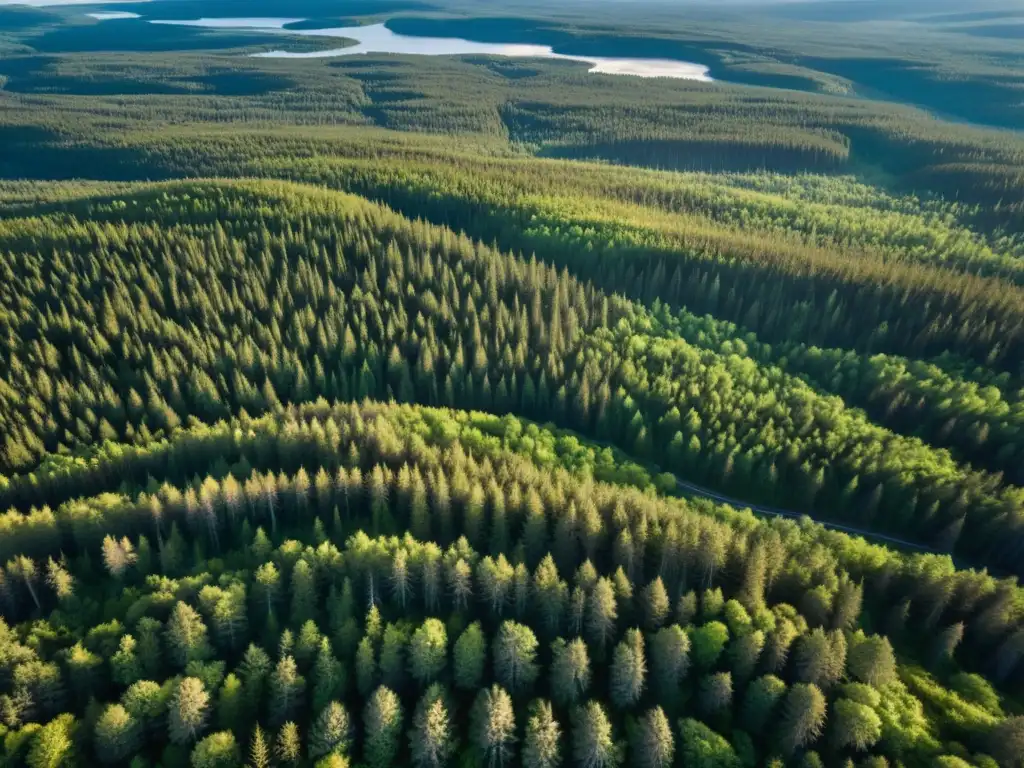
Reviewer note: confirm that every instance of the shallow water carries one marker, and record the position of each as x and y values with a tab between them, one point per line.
113	15
377	38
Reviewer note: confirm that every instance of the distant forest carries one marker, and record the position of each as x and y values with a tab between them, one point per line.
450	412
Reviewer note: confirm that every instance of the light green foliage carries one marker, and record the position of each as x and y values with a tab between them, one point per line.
854	725
652	744
569	674
382	719
330	731
218	750
701	747
593	742
428	651
514	653
188	711
493	726
628	670
53	745
707	642
116	734
469	657
541	742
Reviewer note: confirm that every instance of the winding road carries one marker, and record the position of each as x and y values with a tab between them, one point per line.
696	490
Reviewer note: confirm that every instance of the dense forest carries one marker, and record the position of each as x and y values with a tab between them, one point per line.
475	411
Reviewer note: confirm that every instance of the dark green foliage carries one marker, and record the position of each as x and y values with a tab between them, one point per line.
237	542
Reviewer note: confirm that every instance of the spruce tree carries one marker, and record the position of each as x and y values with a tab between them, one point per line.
382	720
542	740
493	727
188	711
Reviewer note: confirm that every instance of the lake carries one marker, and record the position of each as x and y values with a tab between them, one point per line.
377	38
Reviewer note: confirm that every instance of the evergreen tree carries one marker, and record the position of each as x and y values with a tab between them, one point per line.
287	690
117	735
853	725
593	745
470	655
186	636
288	747
628	670
760	701
366	666
428	651
493	726
569	672
218	750
328	676
803	717
329	732
382	719
188	711
651	743
54	744
670	662
259	750
431	741
541	742
656	604
515	654
601	615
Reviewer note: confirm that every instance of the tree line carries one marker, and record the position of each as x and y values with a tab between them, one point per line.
484	608
242	306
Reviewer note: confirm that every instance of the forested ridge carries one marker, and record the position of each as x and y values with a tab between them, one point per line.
198	572
383	411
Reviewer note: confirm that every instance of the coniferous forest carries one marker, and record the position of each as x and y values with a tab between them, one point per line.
447	412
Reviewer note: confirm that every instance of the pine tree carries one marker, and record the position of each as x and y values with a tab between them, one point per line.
186	636
117	735
254	671
550	595
946	642
218	750
231	704
656	604
54	744
259	750
651	744
382	720
493	726
125	666
821	657
428	650
393	664
541	742
670	662
329	732
570	671
303	597
431	741
515	654
870	659
366	666
602	613
803	717
853	725
188	711
287	690
593	745
288	747
328	676
715	694
470	655
628	670
760	702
